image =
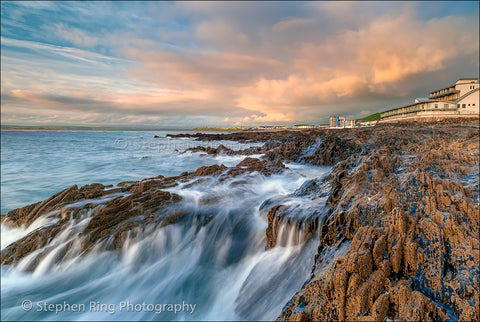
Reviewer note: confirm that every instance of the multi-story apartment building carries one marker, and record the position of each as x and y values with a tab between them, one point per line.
459	99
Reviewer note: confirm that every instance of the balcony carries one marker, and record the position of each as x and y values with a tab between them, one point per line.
412	110
443	93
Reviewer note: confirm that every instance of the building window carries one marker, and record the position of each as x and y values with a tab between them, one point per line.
436	105
458	105
463	105
445	105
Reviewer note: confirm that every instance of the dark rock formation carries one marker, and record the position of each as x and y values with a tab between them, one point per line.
243	137
397	217
213	151
332	150
297	229
254	164
128	208
223	150
296	217
110	222
26	215
408	212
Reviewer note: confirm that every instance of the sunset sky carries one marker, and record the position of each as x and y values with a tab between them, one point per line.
190	64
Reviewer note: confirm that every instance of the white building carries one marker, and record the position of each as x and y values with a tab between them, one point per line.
304	126
349	123
337	121
367	123
340	122
460	99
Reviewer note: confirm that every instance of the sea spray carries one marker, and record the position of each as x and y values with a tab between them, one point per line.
212	257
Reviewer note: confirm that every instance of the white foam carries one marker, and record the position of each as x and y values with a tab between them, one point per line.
10	234
221	266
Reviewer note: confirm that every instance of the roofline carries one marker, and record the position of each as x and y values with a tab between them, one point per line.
441	89
473	78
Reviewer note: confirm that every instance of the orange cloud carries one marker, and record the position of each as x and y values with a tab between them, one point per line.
299	68
220	33
368	61
355	63
396	47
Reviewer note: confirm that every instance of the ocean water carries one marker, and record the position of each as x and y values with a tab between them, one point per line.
38	164
195	271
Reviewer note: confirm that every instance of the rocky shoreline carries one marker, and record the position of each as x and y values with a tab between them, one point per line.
397	217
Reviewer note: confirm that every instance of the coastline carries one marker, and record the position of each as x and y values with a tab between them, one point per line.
382	207
115	130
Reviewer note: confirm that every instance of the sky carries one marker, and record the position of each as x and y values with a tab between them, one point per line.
191	64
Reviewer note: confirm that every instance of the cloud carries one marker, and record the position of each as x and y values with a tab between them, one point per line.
369	61
227	62
220	33
394	48
73	35
293	23
70	53
188	69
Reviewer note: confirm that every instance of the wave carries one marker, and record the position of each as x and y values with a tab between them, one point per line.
212	255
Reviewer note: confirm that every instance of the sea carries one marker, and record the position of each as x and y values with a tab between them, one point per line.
220	271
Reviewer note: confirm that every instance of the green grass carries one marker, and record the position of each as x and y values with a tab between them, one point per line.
373	117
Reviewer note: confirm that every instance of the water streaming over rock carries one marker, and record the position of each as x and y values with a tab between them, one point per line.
210	259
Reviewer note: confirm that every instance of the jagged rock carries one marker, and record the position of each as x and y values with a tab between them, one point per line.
211	170
398	217
113	221
28	244
173	218
298	219
246	136
26	215
221	149
332	150
412	226
253	164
